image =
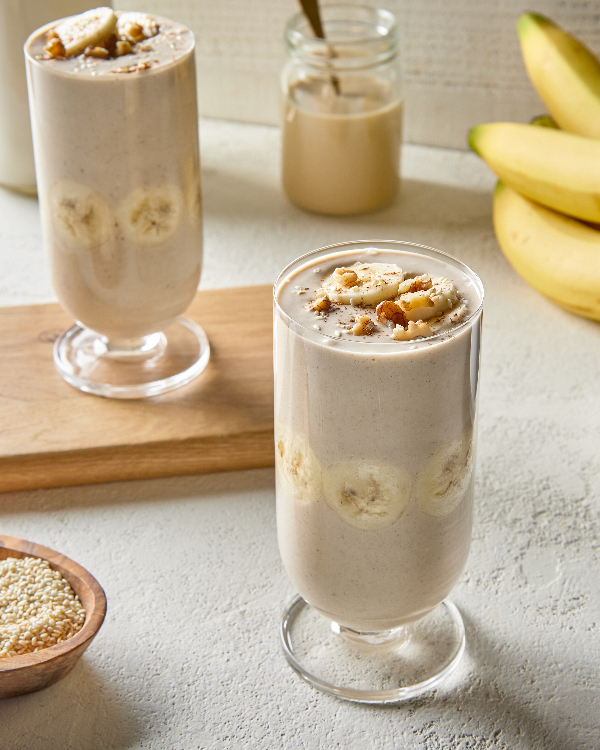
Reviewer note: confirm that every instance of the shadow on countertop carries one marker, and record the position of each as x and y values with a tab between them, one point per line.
507	702
419	204
80	712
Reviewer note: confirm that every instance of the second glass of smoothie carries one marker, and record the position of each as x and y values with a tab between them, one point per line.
115	131
376	369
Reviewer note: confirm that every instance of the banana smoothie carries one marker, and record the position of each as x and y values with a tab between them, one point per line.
341	152
115	131
376	361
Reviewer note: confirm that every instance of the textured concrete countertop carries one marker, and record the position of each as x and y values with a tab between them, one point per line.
189	655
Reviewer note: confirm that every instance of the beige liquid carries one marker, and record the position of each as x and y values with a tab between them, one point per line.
341	153
118	133
399	404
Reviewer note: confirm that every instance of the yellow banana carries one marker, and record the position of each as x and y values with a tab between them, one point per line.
559	256
565	74
558	169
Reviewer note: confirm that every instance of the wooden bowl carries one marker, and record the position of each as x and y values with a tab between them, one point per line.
30	672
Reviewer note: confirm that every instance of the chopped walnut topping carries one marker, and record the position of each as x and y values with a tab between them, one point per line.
133	32
391	314
111	43
130	35
143	65
99	52
363	327
322	301
346	276
54	49
418	284
414	300
137	27
123	48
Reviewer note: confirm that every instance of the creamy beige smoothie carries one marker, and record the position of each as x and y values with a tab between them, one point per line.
115	131
341	149
376	359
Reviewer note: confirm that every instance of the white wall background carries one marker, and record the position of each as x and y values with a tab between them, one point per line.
461	58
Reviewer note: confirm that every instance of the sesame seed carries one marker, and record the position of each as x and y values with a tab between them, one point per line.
37	606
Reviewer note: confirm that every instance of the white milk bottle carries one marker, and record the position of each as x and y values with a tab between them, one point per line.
18	18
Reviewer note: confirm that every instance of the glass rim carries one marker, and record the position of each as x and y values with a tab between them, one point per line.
388	346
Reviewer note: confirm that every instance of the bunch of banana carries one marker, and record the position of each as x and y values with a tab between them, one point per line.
548	197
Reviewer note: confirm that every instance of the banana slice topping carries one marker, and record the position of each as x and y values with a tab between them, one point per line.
297	465
365	284
429	302
80	216
369	496
445	479
87	29
135	27
151	216
416	307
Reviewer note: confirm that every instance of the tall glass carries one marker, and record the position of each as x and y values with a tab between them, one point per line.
117	167
375	448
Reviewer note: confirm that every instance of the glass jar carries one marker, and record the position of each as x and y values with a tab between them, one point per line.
342	112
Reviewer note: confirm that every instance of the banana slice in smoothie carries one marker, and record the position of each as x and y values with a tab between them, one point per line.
87	29
298	466
365	284
444	481
80	216
151	216
368	496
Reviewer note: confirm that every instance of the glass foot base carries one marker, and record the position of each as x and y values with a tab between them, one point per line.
135	368
373	667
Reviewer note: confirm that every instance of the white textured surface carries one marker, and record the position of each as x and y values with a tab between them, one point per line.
461	59
189	656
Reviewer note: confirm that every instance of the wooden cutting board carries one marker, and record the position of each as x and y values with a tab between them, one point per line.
53	435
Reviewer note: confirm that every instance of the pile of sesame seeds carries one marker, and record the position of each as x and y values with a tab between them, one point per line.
38	607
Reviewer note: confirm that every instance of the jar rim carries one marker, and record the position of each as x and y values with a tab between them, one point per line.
357	36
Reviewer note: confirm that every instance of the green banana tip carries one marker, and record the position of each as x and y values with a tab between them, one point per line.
473	137
529	19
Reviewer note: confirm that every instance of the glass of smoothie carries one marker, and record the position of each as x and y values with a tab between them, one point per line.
376	370
342	111
115	132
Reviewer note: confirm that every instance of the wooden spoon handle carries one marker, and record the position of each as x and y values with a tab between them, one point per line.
311	10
